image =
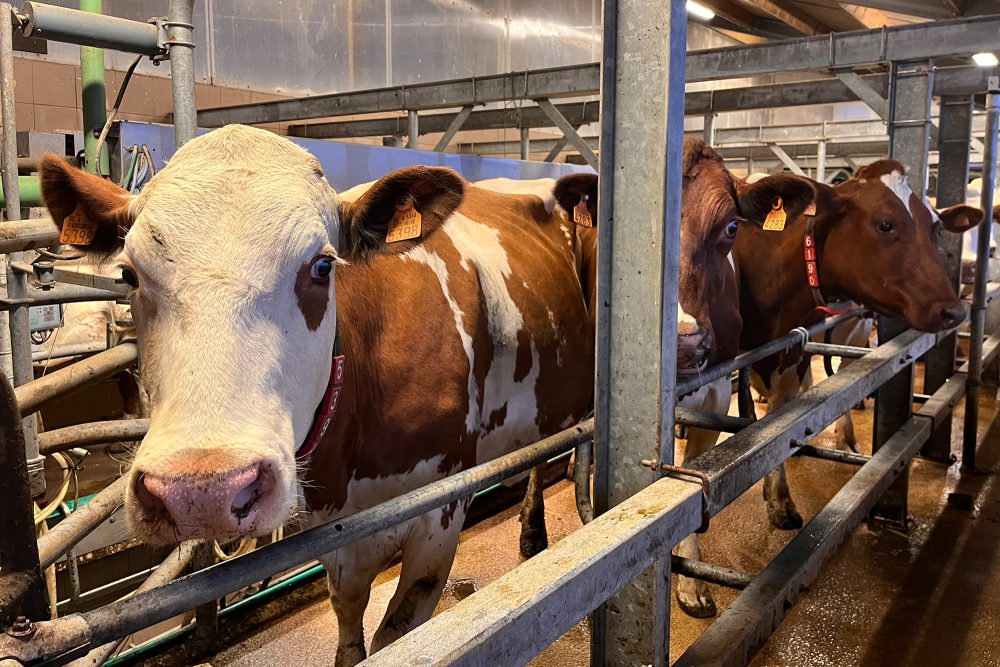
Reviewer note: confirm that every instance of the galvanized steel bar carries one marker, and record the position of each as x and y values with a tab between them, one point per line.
35	394
71	350
977	325
142	610
821	161
569	131
831	350
27	235
68	532
525	143
180	41
73	26
61	293
710	421
412	129
93	433
867	93
832	455
713	574
453	128
17	283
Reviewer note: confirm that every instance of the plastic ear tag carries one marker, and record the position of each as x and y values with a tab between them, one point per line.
581	214
775	220
78	229
405	223
811	209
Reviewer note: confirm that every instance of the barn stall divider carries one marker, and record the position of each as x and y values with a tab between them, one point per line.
621	559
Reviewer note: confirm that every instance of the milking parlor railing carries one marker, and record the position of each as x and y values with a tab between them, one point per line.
511	620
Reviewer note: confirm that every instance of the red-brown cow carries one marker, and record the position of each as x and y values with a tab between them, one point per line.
461	344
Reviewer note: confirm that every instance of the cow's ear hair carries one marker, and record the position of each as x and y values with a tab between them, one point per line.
90	201
756	200
961	217
569	190
435	193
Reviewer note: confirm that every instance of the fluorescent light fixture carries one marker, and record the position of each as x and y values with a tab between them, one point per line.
984	59
700	11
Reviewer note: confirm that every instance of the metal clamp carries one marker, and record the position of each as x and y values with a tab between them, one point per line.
706	490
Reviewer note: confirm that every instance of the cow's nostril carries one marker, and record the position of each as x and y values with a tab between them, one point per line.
149	500
246	499
951	317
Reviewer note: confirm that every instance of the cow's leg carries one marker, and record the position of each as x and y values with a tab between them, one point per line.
428	554
534	538
781	509
857	334
350	573
693	595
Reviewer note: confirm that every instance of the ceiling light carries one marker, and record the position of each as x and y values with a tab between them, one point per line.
700	11
985	59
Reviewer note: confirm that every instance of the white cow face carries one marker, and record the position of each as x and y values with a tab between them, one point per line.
231	254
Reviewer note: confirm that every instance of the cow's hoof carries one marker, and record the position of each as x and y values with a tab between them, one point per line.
697	605
784	516
533	543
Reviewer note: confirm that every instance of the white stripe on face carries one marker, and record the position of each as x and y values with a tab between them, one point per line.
686	325
896	181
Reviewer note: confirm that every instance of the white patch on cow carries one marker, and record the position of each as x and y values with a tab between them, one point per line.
686	325
732	264
437	265
353	194
896	181
558	338
567	233
539	187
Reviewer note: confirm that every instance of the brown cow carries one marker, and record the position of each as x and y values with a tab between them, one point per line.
461	344
875	245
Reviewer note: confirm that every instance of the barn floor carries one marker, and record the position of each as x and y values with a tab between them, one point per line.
925	598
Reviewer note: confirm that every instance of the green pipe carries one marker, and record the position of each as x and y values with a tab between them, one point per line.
94	104
31	192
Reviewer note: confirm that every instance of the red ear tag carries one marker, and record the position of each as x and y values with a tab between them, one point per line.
405	223
78	229
775	220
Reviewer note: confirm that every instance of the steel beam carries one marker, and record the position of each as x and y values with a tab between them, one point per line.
786	159
412	129
27	235
952	179
72	26
875	100
453	128
32	396
569	131
642	131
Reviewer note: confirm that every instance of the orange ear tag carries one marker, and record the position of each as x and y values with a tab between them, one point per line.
405	223
581	214
78	229
811	209
775	220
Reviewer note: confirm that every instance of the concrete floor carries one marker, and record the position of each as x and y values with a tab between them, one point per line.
924	598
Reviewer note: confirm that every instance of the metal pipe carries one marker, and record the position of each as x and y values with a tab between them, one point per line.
94	433
144	609
27	235
62	293
95	113
525	143
22	590
73	26
180	34
413	129
786	342
73	350
82	522
977	325
710	421
17	283
713	574
832	455
581	480
35	394
832	350
29	189
821	161
171	568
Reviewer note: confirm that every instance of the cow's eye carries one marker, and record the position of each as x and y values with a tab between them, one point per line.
885	226
732	228
321	269
128	276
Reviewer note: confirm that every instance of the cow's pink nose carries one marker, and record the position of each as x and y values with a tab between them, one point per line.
221	504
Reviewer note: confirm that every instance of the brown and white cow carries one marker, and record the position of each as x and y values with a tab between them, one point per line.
461	345
875	245
708	310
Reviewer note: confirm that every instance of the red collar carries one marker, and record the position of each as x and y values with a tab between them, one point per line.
812	275
328	406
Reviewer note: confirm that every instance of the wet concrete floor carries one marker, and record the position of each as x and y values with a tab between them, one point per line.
929	597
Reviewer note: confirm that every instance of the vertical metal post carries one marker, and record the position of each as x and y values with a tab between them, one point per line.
525	143
953	175
413	129
207	615
977	325
708	131
95	112
821	161
911	87
642	130
17	283
180	41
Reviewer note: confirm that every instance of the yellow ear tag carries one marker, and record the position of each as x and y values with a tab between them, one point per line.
581	214
811	209
405	223
78	229
775	220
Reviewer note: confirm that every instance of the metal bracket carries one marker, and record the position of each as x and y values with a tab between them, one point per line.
675	471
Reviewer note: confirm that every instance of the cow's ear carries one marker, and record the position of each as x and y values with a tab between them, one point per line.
996	214
93	214
569	190
961	217
797	194
374	223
